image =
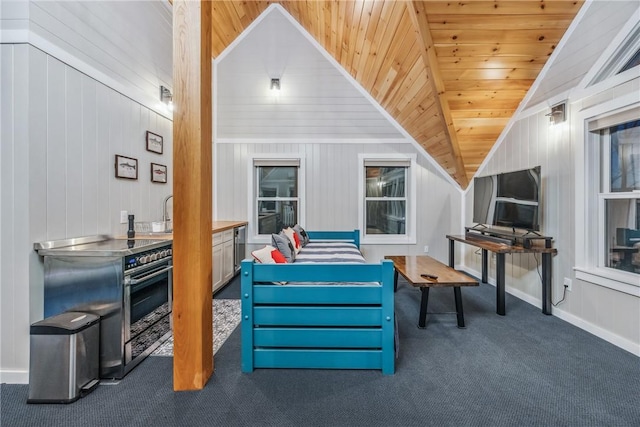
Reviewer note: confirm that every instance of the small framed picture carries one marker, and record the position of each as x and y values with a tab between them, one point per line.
154	142
126	167
158	173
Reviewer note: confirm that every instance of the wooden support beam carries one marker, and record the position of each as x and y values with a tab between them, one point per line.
418	15
192	130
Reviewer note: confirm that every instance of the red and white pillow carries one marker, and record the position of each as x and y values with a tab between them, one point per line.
294	238
269	255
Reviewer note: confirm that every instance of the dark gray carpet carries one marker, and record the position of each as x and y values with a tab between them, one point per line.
522	369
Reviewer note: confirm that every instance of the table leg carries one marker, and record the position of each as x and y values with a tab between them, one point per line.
459	313
452	254
485	265
546	283
500	297
424	300
395	280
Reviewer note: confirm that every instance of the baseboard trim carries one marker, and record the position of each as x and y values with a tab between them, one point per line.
612	338
14	377
576	321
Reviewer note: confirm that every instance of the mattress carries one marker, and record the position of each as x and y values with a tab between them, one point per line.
329	252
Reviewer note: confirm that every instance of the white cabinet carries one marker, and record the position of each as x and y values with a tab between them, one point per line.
227	260
222	258
216	270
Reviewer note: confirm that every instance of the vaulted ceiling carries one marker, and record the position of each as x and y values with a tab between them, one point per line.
451	73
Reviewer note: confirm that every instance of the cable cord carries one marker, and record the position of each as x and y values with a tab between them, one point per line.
564	291
564	294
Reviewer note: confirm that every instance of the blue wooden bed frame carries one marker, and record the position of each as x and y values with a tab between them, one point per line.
318	326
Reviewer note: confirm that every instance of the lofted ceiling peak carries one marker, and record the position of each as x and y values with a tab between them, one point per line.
451	74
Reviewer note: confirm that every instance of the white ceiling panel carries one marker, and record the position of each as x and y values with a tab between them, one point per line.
582	48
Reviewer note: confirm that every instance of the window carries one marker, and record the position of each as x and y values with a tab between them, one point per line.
387	189
634	61
624	58
619	195
607	187
276	194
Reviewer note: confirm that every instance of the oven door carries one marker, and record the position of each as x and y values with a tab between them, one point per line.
147	306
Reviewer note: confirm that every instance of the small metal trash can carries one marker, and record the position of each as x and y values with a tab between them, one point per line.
64	361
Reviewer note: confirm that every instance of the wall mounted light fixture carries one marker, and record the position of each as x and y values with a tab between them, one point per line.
275	84
558	113
166	97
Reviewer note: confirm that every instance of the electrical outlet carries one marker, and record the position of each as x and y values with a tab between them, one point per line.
567	283
426	249
123	217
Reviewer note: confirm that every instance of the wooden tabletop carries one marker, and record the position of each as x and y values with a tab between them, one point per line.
412	266
501	248
218	226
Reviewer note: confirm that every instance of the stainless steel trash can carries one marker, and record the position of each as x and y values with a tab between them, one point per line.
64	361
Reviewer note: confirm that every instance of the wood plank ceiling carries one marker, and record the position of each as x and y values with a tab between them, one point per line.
452	73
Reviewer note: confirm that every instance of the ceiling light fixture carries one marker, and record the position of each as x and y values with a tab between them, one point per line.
275	84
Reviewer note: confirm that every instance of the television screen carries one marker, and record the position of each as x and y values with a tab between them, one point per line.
519	185
510	199
516	215
484	194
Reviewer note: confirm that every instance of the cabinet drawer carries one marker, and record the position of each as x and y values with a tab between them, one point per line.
227	235
216	239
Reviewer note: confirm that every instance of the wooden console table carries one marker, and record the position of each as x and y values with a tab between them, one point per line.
500	249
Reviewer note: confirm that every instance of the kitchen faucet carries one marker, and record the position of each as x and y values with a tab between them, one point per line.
165	214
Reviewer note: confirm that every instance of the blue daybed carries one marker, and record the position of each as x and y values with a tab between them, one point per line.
327	315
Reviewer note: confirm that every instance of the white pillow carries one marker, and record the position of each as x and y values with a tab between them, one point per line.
290	233
268	255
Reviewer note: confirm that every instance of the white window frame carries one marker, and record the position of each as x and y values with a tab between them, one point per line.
410	225
252	202
590	201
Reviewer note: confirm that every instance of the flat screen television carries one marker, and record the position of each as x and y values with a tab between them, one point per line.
510	199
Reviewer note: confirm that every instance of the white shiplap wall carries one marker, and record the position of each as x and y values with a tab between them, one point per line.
331	193
316	101
532	141
322	115
125	45
60	132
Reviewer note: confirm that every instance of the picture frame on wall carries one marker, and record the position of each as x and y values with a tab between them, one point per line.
158	173
126	167
155	143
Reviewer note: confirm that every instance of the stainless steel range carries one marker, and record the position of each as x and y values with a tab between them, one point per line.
128	283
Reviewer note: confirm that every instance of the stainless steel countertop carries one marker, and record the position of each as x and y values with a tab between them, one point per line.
101	245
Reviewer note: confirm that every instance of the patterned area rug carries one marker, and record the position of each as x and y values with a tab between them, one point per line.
226	317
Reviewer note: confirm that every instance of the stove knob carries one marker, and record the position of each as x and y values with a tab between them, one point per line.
154	256
144	259
170	251
163	254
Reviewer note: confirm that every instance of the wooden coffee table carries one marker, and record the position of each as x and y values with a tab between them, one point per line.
411	267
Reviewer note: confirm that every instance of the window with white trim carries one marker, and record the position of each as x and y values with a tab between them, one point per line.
276	194
387	199
617	153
